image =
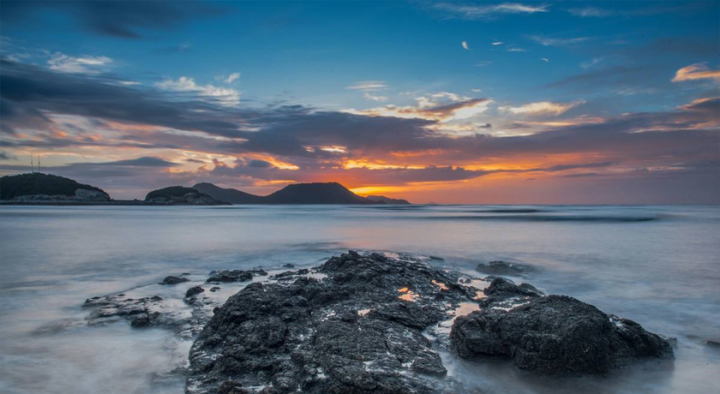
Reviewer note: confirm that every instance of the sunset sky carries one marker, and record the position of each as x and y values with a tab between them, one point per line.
484	102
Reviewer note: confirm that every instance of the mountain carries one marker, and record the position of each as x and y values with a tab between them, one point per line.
315	193
388	200
44	188
301	193
232	196
180	195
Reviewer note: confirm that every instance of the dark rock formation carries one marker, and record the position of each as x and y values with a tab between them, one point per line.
501	288
181	196
173	280
193	291
234	276
556	335
359	330
504	268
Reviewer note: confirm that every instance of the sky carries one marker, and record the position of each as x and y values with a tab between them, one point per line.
447	102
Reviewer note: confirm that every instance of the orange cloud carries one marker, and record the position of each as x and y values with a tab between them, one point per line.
695	72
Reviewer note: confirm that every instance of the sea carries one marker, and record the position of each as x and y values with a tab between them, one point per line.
656	265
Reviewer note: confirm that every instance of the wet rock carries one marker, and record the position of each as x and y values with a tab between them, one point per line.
499	267
289	274
556	335
307	335
214	289
288	265
503	288
148	312
173	280
193	291
230	276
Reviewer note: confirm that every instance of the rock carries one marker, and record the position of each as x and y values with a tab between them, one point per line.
214	289
555	335
230	276
289	274
504	268
308	335
193	291
503	288
173	280
288	265
148	312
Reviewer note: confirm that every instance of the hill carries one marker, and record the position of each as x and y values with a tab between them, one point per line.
301	193
233	196
180	195
315	193
37	187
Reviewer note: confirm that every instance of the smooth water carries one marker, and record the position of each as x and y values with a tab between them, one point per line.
659	266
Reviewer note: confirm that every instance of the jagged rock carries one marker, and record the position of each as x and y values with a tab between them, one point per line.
504	268
556	335
503	288
359	330
193	291
173	280
214	289
230	276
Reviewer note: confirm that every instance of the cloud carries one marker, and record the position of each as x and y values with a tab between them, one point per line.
614	76
546	60
373	97
387	145
542	108
442	106
368	86
6	156
547	41
120	19
465	45
497	43
232	77
30	92
695	72
516	50
223	96
87	64
590	12
489	11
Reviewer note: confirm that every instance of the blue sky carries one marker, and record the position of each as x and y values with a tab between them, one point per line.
509	72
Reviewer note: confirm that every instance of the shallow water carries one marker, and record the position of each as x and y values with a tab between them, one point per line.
659	266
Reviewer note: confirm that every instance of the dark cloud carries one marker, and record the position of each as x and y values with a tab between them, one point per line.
615	76
29	90
122	19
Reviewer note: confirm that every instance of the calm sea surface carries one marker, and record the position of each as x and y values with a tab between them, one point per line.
659	266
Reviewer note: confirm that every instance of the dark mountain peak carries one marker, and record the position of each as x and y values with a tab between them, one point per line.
297	193
316	193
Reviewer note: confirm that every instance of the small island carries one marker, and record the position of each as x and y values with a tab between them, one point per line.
45	189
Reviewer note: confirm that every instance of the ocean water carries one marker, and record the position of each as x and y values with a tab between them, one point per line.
657	265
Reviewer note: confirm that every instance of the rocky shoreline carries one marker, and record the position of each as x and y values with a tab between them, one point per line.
375	323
